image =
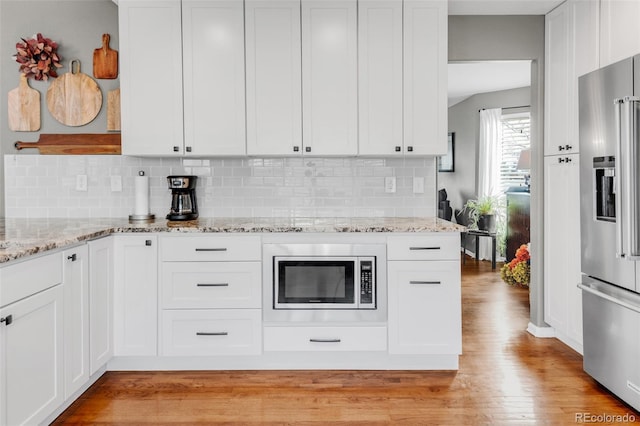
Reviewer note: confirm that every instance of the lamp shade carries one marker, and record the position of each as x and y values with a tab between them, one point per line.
524	162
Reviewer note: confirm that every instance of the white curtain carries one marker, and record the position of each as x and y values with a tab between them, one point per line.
489	160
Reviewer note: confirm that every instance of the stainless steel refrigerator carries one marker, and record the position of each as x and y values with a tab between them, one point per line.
609	123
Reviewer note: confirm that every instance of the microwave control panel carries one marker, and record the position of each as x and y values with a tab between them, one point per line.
366	282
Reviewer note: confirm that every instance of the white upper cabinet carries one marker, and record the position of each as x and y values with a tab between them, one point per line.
274	77
425	77
380	77
586	33
283	77
559	88
619	30
156	95
151	76
571	50
330	77
213	56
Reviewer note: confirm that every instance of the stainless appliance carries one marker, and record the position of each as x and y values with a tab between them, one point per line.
610	225
324	282
184	205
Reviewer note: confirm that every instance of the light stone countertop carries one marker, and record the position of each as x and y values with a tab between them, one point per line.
25	237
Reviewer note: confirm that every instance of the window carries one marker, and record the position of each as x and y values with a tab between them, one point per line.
515	138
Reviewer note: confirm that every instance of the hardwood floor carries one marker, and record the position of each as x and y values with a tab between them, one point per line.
506	376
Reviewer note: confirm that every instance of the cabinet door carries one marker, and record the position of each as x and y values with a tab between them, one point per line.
274	77
330	77
559	80
380	77
425	77
424	307
586	36
562	298
100	302
31	358
151	77
135	295
214	99
619	30
76	318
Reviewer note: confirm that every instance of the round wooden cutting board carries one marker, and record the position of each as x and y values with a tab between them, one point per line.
74	99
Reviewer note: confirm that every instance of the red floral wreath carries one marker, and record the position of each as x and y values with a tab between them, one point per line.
38	57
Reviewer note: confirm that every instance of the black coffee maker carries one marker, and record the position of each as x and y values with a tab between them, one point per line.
183	198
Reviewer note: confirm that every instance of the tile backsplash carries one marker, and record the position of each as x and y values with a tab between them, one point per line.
39	186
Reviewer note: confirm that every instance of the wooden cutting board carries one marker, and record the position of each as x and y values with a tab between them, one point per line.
24	107
113	110
75	144
74	98
105	60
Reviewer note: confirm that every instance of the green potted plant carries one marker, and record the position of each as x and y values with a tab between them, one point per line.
483	212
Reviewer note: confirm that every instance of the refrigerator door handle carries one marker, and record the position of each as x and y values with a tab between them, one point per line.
612	299
626	169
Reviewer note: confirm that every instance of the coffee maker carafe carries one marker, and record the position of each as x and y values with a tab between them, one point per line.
183	197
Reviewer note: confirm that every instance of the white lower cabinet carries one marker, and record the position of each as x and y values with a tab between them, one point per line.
424	307
211	295
76	318
425	315
320	339
100	302
562	297
135	295
31	341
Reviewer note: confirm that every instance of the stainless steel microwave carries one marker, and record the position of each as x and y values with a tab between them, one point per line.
325	282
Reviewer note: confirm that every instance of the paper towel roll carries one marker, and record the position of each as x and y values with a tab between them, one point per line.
141	206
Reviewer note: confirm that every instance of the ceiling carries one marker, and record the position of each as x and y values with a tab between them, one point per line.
468	78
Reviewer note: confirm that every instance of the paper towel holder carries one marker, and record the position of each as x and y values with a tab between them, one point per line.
142	200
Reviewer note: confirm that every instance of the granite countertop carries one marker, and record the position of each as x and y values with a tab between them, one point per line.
24	237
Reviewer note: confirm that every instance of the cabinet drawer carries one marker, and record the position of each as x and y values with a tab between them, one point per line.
31	276
438	246
210	248
211	285
211	332
325	339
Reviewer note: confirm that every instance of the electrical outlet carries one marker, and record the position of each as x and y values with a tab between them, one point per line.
81	182
418	185
116	183
390	184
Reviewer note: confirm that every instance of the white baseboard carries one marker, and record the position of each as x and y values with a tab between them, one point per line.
542	332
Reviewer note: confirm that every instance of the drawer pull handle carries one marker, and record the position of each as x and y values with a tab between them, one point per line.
212	284
73	257
211	249
424	248
7	320
215	333
325	340
426	282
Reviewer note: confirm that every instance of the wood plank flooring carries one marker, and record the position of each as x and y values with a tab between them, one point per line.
506	377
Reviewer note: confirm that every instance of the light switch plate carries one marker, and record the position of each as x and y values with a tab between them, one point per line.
390	184
81	182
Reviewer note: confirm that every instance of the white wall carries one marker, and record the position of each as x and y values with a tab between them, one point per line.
77	26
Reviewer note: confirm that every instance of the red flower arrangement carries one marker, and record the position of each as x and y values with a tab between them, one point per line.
517	271
38	57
